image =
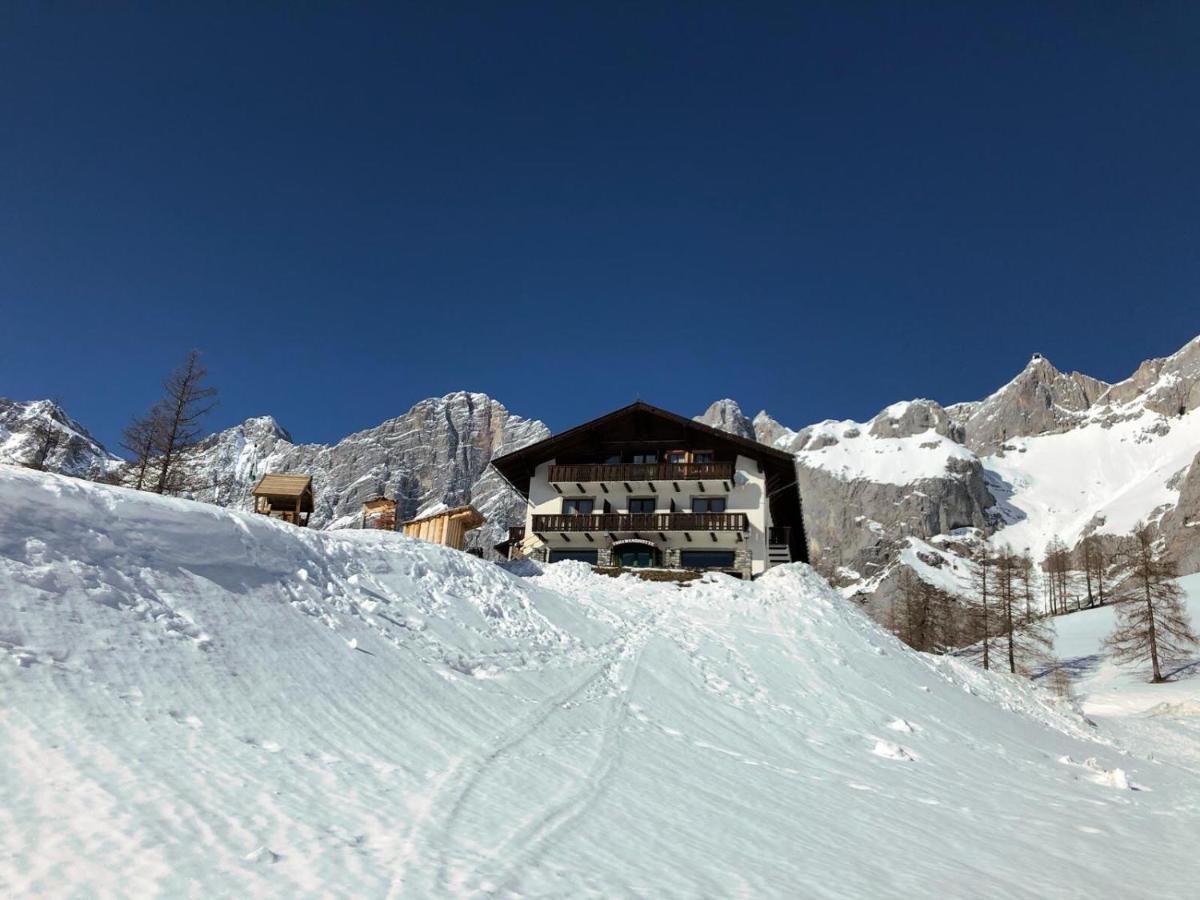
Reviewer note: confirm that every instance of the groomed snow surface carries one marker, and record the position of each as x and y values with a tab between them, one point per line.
201	702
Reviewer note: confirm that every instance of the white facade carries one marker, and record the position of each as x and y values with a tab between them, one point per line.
678	535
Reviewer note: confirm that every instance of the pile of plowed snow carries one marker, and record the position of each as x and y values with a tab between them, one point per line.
198	701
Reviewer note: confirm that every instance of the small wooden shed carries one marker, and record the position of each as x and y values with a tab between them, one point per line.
446	526
379	512
287	497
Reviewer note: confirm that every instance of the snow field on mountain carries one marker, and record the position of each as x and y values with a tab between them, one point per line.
208	702
857	454
1055	484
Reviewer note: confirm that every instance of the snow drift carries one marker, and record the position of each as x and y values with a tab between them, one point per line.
202	701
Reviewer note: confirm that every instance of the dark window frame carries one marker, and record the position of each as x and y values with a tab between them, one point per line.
593	556
708	501
577	500
716	559
653	501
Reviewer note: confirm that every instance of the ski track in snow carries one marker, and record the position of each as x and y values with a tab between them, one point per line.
205	702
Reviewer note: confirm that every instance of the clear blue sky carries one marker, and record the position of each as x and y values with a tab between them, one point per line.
817	209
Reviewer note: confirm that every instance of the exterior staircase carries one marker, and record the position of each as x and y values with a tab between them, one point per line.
778	546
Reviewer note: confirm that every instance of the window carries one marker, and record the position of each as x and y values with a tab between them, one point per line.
645	459
641	504
635	556
708	504
613	459
702	456
677	456
577	506
706	559
587	556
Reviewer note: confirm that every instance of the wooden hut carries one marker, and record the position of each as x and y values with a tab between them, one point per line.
287	497
379	512
445	526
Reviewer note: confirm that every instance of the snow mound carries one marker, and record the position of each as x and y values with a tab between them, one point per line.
203	701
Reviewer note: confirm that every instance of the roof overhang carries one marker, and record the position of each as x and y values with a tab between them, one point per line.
641	418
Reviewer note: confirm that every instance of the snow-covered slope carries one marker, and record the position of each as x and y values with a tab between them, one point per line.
1103	476
1163	719
199	701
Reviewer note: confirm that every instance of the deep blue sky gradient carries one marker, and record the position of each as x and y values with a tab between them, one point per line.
817	209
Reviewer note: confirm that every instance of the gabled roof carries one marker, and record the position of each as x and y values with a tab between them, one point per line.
517	467
472	517
283	485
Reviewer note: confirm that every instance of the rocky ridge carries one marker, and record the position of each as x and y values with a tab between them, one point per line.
40	433
919	473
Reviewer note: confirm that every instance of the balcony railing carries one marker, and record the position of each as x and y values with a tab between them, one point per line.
715	471
642	522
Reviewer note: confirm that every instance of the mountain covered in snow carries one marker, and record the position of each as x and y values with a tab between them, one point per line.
1048	455
200	701
40	433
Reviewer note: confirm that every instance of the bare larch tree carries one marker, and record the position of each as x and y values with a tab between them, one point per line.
1093	560
1152	624
140	439
186	401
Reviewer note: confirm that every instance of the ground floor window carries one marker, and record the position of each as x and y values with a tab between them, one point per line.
706	559
587	556
634	556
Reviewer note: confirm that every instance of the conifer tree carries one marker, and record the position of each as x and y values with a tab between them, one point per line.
1152	625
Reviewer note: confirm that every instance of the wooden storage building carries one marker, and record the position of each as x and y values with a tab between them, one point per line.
285	496
448	527
379	513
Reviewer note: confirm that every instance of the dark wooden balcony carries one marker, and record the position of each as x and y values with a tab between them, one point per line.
662	522
516	533
578	474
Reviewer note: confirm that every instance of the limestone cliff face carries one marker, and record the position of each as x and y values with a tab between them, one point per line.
728	416
915	417
1170	386
855	527
1181	526
854	522
1040	400
438	451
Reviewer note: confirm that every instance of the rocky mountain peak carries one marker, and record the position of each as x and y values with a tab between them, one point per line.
728	416
39	432
768	431
912	417
1040	400
1168	385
